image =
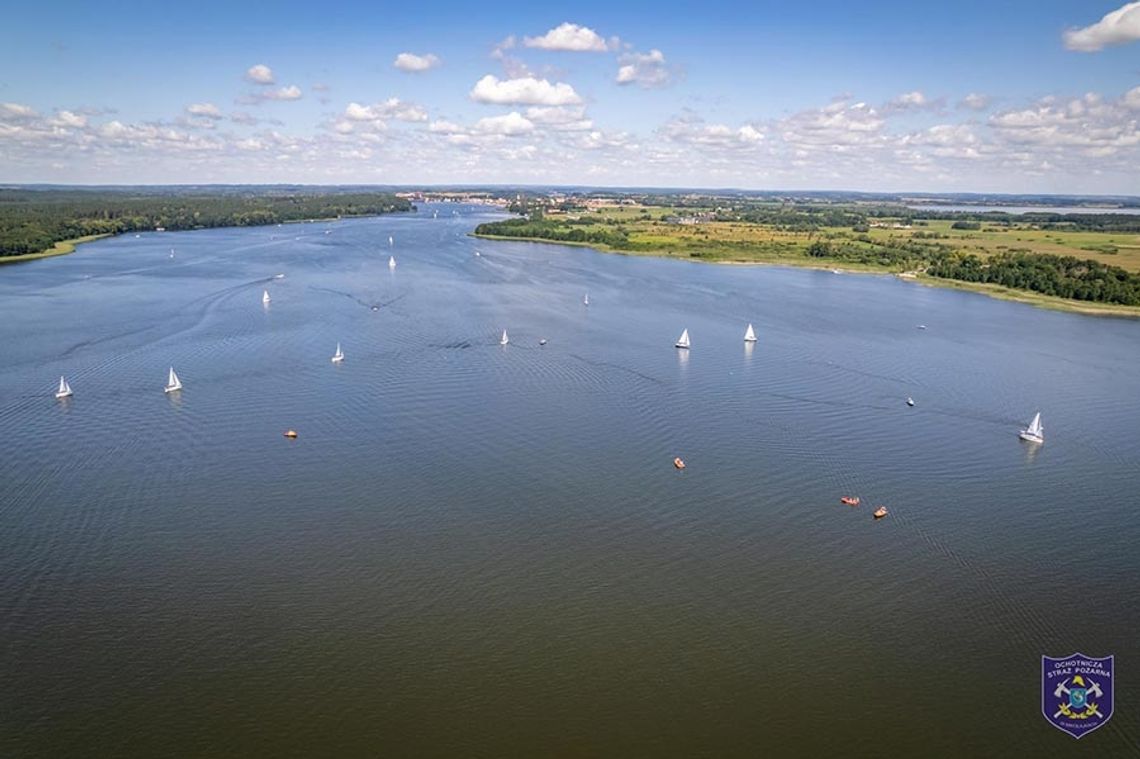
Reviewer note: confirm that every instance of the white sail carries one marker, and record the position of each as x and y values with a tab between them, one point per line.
338	356
586	299
64	389
749	335
391	262
1035	427
683	340
504	339
1034	433
172	382
265	296
391	242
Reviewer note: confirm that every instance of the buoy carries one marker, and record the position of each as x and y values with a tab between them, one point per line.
678	463
290	433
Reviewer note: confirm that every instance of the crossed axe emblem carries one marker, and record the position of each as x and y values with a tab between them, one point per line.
1090	709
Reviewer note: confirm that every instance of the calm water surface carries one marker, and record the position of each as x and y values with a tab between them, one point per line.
476	550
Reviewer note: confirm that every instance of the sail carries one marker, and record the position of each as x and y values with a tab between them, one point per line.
749	335
390	241
586	299
172	381
64	388
339	355
391	262
1035	427
265	296
504	340
683	340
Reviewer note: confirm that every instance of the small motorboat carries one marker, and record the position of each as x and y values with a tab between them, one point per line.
291	434
909	401
849	500
542	341
678	463
880	512
921	326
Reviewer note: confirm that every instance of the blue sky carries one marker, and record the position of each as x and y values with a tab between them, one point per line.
825	95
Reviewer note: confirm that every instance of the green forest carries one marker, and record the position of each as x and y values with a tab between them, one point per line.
32	221
1060	276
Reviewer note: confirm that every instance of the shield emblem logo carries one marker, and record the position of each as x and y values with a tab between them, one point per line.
1077	692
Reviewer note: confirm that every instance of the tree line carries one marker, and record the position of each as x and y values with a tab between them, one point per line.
1062	276
32	221
556	231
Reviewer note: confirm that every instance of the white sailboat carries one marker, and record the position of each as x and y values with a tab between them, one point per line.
338	356
172	382
64	389
749	335
391	242
504	339
1034	433
391	262
586	299
265	297
683	340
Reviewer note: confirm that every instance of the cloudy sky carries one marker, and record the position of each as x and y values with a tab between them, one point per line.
1013	96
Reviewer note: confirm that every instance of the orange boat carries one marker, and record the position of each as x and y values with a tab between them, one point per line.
678	463
290	433
880	512
849	500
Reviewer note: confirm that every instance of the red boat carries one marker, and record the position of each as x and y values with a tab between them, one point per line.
849	500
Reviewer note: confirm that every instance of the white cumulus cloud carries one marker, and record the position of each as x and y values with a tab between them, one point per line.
523	91
292	92
643	69
16	111
260	74
413	63
1116	28
975	102
571	37
204	110
509	125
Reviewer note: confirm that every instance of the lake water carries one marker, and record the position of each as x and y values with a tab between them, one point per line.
478	550
1025	209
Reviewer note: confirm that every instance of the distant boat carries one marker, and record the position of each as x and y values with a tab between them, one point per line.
683	340
749	335
921	326
1034	433
391	262
338	356
881	512
909	401
504	339
586	299
391	242
478	253
64	389
542	341
172	252
279	276
172	382
265	297
435	214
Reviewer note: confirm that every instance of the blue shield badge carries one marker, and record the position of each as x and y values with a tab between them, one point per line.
1076	692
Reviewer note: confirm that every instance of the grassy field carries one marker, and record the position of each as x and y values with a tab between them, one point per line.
746	242
61	248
